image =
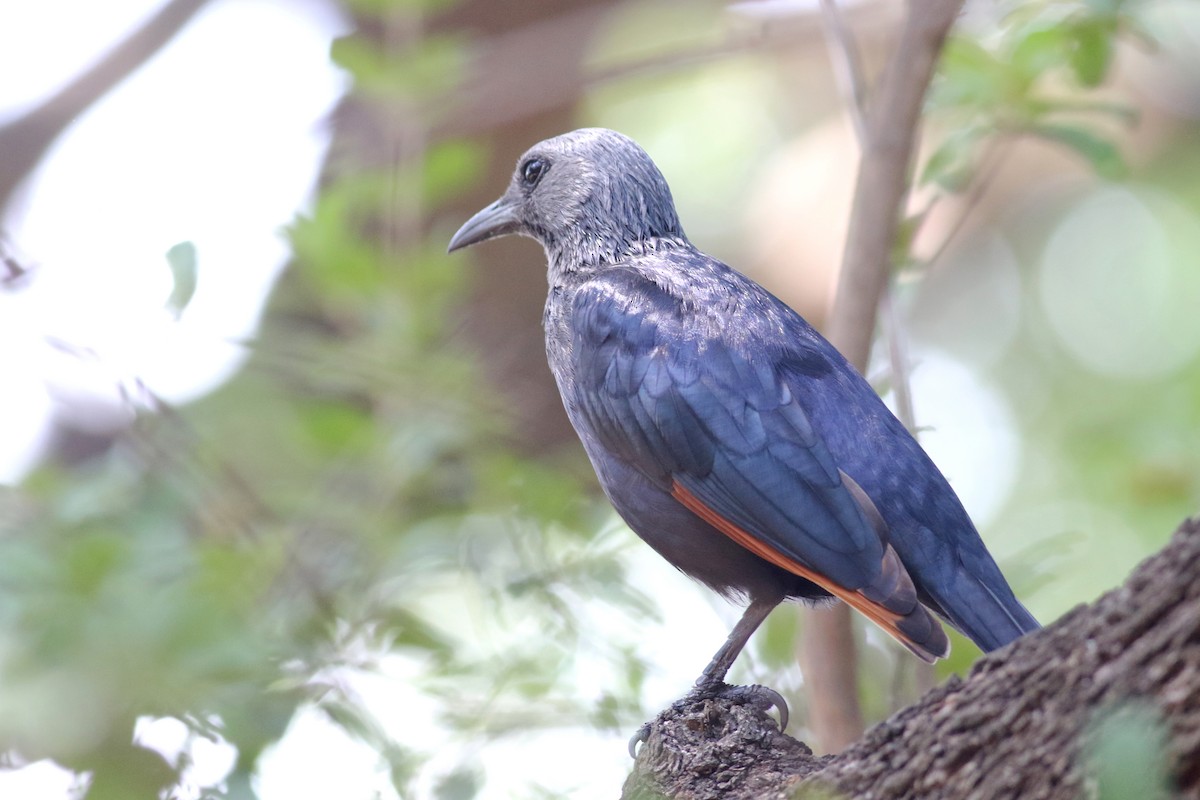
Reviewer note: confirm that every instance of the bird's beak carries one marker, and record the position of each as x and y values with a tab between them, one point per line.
497	219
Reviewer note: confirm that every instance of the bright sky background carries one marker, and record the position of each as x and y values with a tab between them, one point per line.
216	141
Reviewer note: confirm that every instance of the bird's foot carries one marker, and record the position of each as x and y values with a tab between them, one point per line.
763	698
643	733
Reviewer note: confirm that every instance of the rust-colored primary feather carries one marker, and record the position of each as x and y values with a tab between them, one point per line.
924	638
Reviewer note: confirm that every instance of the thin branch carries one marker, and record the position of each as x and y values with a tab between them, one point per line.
847	66
843	53
893	332
828	653
883	176
25	140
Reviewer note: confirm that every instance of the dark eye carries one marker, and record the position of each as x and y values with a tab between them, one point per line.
532	171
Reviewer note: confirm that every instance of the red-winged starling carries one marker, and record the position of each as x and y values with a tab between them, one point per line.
728	433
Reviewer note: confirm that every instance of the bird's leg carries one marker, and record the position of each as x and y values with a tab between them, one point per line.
714	674
711	682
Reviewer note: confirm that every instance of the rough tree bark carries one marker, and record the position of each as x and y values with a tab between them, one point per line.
1015	727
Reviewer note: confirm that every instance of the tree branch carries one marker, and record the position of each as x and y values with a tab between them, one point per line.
25	140
1022	724
847	66
829	662
892	125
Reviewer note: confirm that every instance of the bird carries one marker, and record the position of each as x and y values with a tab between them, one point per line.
729	434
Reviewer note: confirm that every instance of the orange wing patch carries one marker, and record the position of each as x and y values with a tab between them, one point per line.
886	619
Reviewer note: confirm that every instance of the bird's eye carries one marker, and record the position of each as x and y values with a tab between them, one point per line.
532	171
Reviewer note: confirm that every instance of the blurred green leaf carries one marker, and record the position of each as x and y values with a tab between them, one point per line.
1092	51
342	263
181	258
952	165
1101	153
1011	83
459	784
1039	50
969	76
337	428
1128	754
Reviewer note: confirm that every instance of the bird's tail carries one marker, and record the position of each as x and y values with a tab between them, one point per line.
986	611
991	630
891	603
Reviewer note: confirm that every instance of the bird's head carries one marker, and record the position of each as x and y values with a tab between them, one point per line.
589	196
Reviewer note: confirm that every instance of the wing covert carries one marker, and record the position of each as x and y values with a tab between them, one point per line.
669	393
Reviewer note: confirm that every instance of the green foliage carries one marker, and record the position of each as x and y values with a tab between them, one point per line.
952	164
1100	152
1028	78
1126	752
113	610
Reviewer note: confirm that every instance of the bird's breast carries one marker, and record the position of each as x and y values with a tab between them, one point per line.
556	323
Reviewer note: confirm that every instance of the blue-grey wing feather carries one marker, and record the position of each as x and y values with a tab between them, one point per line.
698	411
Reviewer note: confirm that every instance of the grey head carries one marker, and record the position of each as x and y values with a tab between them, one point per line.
590	197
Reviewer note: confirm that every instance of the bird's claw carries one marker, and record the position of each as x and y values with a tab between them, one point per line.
643	733
763	698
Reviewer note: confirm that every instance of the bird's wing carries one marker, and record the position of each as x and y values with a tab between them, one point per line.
722	433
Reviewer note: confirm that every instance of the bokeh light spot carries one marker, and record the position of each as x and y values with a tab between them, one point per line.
1117	286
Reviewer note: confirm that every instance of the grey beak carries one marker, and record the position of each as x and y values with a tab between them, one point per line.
498	219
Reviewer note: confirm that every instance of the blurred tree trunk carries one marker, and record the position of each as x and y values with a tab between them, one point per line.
1112	688
504	314
829	662
888	134
496	109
